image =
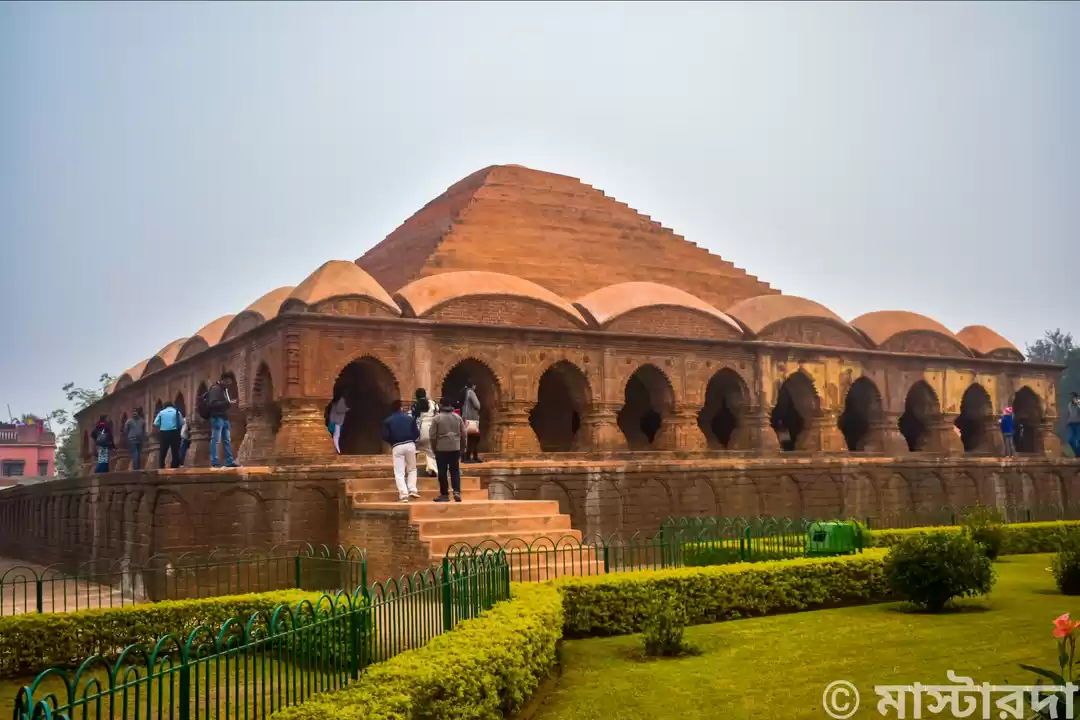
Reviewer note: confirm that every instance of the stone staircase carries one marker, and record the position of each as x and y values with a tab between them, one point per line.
477	521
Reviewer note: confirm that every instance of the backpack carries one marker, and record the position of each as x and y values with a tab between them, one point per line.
202	405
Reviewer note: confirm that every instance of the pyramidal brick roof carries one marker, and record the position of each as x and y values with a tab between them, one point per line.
557	232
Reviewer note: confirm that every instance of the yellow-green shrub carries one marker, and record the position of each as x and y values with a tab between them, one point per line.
485	668
33	642
1019	538
615	604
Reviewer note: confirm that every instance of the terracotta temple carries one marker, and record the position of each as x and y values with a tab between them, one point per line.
624	372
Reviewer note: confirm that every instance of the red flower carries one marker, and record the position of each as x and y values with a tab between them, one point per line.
1063	626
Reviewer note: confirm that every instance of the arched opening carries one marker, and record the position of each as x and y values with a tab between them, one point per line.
237	419
158	404
264	419
797	405
723	417
487	392
648	400
372	393
561	400
1027	413
862	408
262	396
975	419
179	404
121	432
921	412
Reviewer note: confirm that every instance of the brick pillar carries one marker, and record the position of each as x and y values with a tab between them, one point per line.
514	435
887	438
1048	440
688	435
762	436
258	442
121	457
151	451
948	438
600	428
198	452
303	431
992	442
826	435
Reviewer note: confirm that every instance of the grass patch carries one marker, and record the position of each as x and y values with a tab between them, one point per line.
777	667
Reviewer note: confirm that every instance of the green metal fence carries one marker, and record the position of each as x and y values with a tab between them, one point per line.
248	669
24	589
705	541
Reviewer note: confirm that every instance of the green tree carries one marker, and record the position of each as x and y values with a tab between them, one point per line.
63	423
1058	348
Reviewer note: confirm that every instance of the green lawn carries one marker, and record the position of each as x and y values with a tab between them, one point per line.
777	667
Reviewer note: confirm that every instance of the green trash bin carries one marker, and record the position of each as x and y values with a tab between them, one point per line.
831	538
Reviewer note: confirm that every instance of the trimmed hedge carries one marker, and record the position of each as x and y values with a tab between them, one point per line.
485	668
33	642
615	604
1020	538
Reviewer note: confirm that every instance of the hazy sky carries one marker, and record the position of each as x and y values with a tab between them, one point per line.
165	164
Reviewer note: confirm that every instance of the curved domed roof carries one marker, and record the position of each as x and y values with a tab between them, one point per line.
425	295
131	375
608	303
758	313
207	337
268	305
340	278
984	341
883	325
166	356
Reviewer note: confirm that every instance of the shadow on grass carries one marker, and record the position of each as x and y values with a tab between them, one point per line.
637	654
964	609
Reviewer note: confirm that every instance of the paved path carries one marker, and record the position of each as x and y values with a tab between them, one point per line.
59	593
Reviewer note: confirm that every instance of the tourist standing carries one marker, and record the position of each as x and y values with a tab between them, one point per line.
338	409
218	401
1007	426
423	413
103	438
135	431
448	438
168	422
185	439
470	413
1072	417
401	432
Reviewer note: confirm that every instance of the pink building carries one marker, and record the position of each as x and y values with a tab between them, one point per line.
25	450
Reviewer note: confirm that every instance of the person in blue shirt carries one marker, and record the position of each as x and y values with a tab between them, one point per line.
1007	432
168	422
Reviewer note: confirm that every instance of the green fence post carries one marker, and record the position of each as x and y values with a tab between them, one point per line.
185	686
40	593
297	571
606	570
447	596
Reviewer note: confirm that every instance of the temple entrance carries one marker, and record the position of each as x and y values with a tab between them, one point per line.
1027	413
265	419
487	392
861	408
921	412
372	393
561	400
976	416
648	400
723	417
796	405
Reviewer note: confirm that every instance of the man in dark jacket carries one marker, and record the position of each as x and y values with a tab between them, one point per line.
448	439
135	432
401	432
219	401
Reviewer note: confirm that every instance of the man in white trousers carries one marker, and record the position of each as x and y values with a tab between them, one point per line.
401	432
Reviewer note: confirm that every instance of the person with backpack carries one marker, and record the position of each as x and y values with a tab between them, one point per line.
168	422
401	433
214	406
448	438
423	414
102	436
135	432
